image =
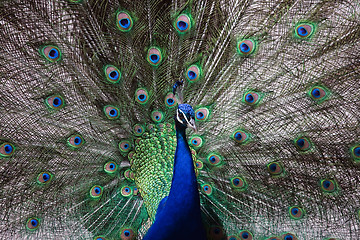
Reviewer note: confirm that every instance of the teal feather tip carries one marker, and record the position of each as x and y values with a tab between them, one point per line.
124	22
7	149
55	102
51	53
33	223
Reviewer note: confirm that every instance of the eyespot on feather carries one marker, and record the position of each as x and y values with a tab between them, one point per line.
355	152
127	234
157	116
214	159
170	100
199	165
245	235
75	141
196	142
207	189
246	47
44	177
240	136
54	102
318	93
274	168
110	167
112	74
125	146
302	144
111	112
183	23
296	212
124	21
304	30
238	183
138	130
251	98
193	73
328	185
51	53
154	56
289	236
32	223
141	96
6	149
99	238
126	191
96	192
201	114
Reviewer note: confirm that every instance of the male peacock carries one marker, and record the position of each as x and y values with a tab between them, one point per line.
91	127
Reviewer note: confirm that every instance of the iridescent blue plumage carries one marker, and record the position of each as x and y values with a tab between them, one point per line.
179	215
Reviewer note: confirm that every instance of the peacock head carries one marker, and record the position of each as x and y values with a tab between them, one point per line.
185	117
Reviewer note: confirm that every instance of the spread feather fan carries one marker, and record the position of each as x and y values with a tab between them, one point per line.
180	119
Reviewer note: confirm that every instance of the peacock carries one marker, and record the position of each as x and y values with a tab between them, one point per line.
180	119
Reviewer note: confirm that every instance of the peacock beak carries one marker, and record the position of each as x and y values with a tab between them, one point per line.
191	124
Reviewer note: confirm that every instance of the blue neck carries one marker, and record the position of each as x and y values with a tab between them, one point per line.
179	215
184	187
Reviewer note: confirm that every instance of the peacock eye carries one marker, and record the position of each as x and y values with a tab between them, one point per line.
32	223
214	159
6	149
141	95
138	130
124	21
274	168
207	189
289	236
193	73
199	164
303	144
296	212
246	47
157	116
328	185
303	31
183	23
75	141
51	53
110	167
112	73
44	177
111	112
196	141
240	136
127	234
251	98
96	192
154	56
55	102
125	146
170	100
238	183
233	237
99	238
246	235
126	191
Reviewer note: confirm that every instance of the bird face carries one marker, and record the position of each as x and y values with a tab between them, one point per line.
185	116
